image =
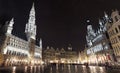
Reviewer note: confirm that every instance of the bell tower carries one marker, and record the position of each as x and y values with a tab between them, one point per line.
10	26
30	29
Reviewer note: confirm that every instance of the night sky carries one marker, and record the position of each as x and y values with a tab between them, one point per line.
59	22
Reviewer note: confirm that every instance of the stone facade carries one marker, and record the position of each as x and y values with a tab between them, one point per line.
99	50
17	51
113	29
51	55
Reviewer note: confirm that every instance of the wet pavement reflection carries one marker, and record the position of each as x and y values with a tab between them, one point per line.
58	68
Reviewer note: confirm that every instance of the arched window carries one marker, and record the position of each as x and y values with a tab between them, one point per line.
7	52
10	52
15	53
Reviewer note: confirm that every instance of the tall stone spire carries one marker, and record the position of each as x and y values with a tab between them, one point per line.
101	25
10	26
40	43
106	17
105	14
30	29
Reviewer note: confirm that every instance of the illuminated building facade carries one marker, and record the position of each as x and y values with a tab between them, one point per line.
18	51
98	50
83	57
113	29
50	55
